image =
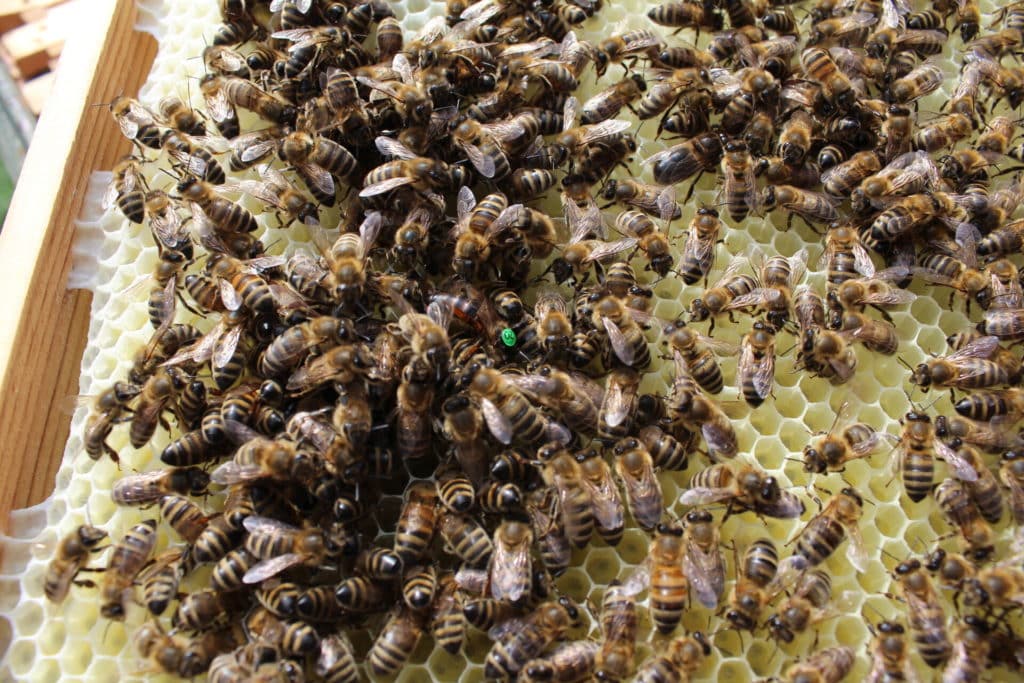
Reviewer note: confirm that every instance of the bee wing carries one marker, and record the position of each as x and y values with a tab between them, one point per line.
508	566
507	627
555	431
982	347
232	301
666	203
642	486
334	649
788	506
390	147
544	47
620	345
719	346
569	111
265	192
642	43
465	203
481	162
231	472
440	313
595	104
400	64
219	107
756	297
370	229
797	267
385	186
312	374
582	220
265	569
962	468
1003	317
967	236
502	131
890	297
609	249
706	573
267	525
700	249
607	505
318	176
720	440
202	350
224	352
604	129
704	496
856	551
500	426
167	227
764	375
481	8
1016	488
618	400
637	582
253	146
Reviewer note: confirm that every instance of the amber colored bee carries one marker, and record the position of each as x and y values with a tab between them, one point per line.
510	564
756	576
106	412
69	559
608	508
749	488
137	123
553	545
838	520
975	532
564	474
830	665
832	450
729	287
966	368
517	641
926	617
127	558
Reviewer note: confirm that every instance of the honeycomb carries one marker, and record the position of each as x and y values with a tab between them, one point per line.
71	643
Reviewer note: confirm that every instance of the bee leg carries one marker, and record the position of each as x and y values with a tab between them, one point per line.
84	583
882	312
112	453
689	192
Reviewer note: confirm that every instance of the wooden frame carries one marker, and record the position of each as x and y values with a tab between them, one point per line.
43	325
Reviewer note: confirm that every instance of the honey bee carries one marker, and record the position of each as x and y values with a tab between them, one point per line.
609	102
466	539
635	468
289	348
916	450
517	641
923	79
836	88
999	585
717	298
552	543
756	577
698	352
136	122
925	615
508	413
830	451
258	457
826	531
245	94
966	368
419	173
798	202
155	396
805	607
942	132
830	665
279	546
416	523
694	412
336	661
463	424
608	510
107	410
755	371
698	250
629	45
749	488
650	239
128	190
572	661
984	488
225	216
614	659
890	656
684	656
564	474
619	402
877	335
651	199
779	275
69	559
626	339
127	558
739	185
957	505
510	564
843	178
703	563
697	155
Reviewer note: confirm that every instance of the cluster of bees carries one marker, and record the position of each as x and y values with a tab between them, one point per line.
487	365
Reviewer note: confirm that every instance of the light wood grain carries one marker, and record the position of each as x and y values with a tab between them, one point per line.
43	326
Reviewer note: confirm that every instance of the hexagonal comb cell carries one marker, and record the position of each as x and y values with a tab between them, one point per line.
47	642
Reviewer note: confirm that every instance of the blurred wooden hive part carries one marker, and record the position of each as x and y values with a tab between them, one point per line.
32	35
